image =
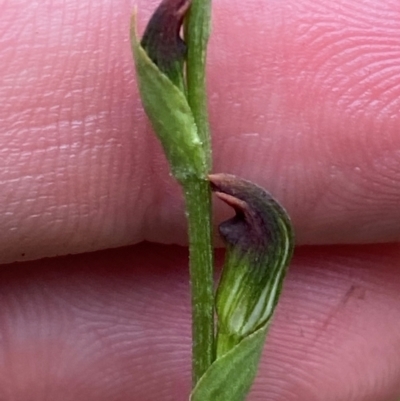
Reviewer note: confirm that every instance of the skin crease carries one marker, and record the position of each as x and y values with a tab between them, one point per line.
304	100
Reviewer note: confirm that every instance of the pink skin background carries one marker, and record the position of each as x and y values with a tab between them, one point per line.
304	100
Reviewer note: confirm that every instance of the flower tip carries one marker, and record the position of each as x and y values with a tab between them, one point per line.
161	38
219	180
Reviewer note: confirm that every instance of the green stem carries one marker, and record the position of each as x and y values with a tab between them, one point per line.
197	31
198	193
198	206
186	143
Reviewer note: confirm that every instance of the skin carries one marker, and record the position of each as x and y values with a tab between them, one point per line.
304	100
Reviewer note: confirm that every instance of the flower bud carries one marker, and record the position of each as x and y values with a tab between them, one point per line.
161	39
159	67
259	240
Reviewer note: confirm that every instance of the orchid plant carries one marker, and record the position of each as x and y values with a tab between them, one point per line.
259	238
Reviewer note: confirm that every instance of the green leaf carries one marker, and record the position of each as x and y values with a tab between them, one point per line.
230	377
170	115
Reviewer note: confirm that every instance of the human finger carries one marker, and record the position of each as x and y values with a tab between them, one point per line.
303	100
116	325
